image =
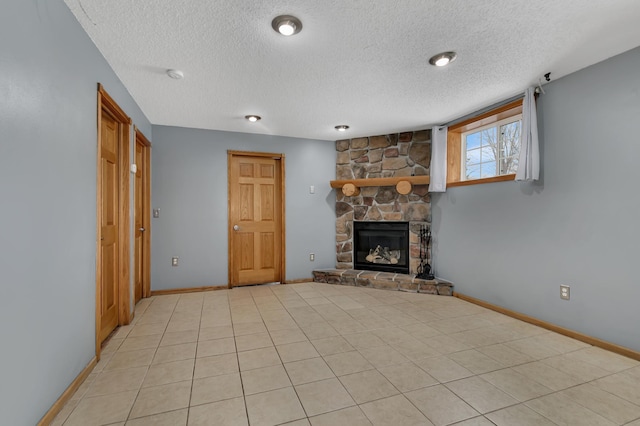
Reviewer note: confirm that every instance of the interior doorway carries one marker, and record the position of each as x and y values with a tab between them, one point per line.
256	225
112	255
142	221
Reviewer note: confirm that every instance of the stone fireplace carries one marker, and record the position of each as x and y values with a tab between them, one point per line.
394	155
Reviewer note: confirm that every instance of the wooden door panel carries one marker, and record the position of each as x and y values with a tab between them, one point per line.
267	198
254	202
109	136
267	171
109	195
267	240
244	251
246	169
108	306
246	200
108	295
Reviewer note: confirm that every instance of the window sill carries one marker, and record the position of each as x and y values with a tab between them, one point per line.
481	181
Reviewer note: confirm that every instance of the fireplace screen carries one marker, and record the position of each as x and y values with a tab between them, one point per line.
381	246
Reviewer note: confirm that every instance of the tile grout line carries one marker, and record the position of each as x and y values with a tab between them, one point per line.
195	358
152	358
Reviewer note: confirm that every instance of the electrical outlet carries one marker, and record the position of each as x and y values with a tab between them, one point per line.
174	261
312	257
565	292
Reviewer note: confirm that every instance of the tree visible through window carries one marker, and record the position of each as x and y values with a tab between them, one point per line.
492	150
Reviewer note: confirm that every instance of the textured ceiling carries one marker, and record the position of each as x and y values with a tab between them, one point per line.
358	62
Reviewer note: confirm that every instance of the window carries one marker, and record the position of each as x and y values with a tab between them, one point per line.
491	150
485	148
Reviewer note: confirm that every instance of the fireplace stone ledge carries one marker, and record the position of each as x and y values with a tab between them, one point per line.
383	280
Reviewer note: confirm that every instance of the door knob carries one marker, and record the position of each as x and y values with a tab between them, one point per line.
141	229
236	228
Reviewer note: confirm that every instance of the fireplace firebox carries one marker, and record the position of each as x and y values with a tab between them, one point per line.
381	246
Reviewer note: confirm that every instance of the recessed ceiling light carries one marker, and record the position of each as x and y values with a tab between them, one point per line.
442	59
175	74
286	25
253	118
342	128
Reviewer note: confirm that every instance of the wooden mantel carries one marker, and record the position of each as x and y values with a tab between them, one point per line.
390	181
402	183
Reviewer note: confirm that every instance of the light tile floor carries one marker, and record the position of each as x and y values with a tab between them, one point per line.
319	354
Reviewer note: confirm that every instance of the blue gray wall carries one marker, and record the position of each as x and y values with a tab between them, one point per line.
190	189
49	70
513	244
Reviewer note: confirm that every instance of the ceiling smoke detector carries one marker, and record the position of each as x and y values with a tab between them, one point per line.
175	74
286	25
253	118
442	59
342	128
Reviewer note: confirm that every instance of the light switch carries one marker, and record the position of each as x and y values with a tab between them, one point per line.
156	212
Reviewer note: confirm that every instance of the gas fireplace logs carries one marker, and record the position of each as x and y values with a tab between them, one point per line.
383	255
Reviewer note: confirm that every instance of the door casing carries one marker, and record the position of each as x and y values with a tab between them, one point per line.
280	209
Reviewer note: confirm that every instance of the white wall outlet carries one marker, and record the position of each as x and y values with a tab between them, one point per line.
312	257
174	261
565	292
312	189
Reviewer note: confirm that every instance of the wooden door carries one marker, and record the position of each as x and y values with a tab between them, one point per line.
142	229
112	252
108	274
256	211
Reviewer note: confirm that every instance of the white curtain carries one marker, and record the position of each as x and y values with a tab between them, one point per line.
529	162
438	177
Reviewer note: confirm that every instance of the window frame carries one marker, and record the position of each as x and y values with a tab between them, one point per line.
454	143
463	147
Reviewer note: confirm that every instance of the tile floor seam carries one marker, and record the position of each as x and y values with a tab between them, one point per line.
244	395
577	401
193	371
149	366
543	415
292	385
515	405
300	401
497	409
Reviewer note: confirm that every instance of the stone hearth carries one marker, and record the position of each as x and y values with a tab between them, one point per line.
383	280
393	155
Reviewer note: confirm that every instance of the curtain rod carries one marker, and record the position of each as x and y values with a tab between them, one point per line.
538	91
483	110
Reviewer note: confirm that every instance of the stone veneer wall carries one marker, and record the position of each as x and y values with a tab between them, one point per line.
403	154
